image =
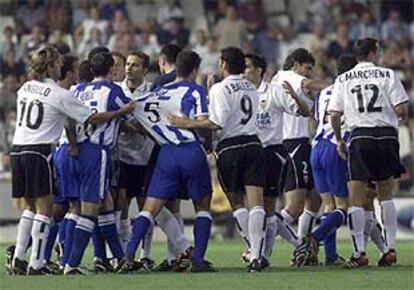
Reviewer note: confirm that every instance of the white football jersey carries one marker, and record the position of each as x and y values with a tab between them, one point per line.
177	98
273	102
367	95
233	107
101	96
294	126
41	111
324	130
135	148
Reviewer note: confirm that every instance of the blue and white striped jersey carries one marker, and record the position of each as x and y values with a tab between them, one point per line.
324	130
100	96
178	98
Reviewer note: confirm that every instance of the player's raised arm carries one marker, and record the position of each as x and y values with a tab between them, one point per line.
304	109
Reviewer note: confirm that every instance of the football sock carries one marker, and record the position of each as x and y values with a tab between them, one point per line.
329	246
202	227
139	228
330	222
179	218
377	237
389	222
118	214
62	230
286	231
98	242
51	239
356	218
147	243
306	222
124	232
287	217
107	226
271	231
241	217
40	232
83	231
69	231
24	234
257	231
162	219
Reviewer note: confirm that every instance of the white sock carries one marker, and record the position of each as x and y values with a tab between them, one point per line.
287	217
369	223
257	231
124	233
374	230
389	222
171	227
287	232
180	220
40	232
306	222
356	219
241	217
118	214
271	231
23	234
147	243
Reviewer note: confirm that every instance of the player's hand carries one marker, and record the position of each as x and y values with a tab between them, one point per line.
289	89
74	151
211	79
177	121
128	108
342	149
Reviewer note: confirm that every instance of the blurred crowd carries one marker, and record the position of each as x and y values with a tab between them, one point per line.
328	28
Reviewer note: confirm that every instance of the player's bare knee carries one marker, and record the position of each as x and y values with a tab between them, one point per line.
203	204
89	208
385	189
154	205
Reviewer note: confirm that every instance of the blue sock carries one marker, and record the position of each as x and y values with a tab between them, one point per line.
202	226
53	230
329	223
329	245
109	232
69	231
81	236
139	229
98	243
62	231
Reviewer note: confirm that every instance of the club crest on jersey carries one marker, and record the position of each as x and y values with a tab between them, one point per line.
263	117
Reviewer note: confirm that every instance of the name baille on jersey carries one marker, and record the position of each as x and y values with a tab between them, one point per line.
176	98
100	96
41	111
324	130
367	95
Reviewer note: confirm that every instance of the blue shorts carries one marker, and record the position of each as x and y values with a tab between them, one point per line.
329	170
67	175
94	164
178	167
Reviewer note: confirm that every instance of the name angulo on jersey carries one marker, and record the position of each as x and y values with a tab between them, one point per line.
324	130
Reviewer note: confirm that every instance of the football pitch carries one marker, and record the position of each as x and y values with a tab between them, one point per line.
232	273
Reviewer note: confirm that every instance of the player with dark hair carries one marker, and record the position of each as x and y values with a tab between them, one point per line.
166	64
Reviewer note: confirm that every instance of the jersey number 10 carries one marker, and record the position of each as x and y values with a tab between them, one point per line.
40	112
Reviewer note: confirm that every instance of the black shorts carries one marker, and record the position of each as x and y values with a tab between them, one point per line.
275	158
240	163
132	178
32	171
298	167
374	154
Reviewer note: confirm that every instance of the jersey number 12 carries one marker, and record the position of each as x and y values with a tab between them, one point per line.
360	97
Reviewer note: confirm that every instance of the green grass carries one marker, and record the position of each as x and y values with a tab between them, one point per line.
232	274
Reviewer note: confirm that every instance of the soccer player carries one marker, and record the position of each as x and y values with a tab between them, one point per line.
273	102
101	95
42	109
330	178
166	64
298	188
134	155
233	107
373	100
181	160
118	71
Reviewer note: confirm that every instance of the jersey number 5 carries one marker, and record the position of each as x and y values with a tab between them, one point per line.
40	112
247	109
151	108
371	105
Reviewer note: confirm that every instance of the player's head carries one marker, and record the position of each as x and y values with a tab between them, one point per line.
288	63
94	51
345	62
232	61
45	63
118	70
137	64
303	62
255	67
85	72
168	56
101	64
70	69
187	64
367	49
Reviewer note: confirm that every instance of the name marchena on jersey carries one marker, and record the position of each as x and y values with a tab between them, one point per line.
376	73
239	86
36	89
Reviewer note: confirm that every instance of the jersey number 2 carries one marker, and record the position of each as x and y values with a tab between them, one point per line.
40	112
371	105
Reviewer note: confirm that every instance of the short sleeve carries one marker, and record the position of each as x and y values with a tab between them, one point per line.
74	109
283	101
337	100
219	108
201	106
397	93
